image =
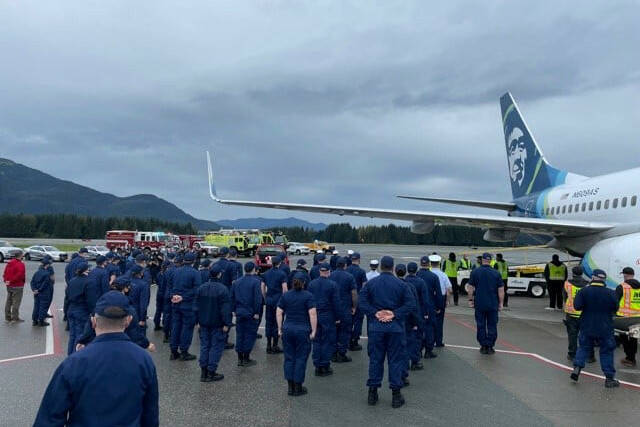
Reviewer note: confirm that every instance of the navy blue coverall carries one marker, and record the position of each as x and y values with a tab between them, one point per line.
41	282
413	325
246	303
346	284
212	305
386	292
432	300
139	296
486	281
133	331
361	278
186	281
161	281
167	306
99	277
112	382
598	305
295	333
325	294
299	273
80	301
273	279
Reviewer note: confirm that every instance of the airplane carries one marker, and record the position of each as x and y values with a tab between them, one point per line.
596	218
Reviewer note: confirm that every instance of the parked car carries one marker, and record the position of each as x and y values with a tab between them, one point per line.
298	249
264	253
8	251
207	249
95	251
37	252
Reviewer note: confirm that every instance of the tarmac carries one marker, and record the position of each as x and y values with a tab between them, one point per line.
526	383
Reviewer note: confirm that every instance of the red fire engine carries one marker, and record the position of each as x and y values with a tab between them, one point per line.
147	240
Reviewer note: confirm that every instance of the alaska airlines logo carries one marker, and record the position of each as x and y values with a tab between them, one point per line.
517	153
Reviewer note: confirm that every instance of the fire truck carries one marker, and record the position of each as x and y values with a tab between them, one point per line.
146	240
197	242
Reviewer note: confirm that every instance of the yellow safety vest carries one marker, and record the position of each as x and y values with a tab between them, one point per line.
630	302
503	269
571	295
557	272
465	264
492	263
451	268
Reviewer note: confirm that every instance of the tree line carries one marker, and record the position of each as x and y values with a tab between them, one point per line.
69	226
446	235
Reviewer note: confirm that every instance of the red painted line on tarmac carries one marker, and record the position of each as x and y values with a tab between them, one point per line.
473	328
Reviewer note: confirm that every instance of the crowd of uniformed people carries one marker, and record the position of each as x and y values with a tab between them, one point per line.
315	312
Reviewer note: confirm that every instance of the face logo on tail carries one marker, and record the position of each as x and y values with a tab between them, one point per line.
517	152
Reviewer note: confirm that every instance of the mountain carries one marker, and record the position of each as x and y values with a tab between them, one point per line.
263	223
30	191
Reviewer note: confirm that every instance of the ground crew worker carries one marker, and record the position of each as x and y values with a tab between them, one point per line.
413	340
555	273
139	295
246	304
628	314
315	270
297	331
486	295
445	288
373	269
419	286
598	305
42	288
186	282
203	268
111	366
478	261
432	305
274	285
325	295
99	276
465	263
572	316
80	301
212	305
361	279
450	267
503	268
301	272
347	293
386	302
14	278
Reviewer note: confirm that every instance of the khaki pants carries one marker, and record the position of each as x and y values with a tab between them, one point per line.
12	306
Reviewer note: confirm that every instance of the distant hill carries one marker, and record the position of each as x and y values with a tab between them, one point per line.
263	223
30	191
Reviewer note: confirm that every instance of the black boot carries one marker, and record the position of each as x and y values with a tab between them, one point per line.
174	355
342	358
240	359
228	345
576	373
328	371
319	371
213	376
269	346
334	358
429	354
373	396
397	399
35	323
43	323
354	346
417	366
165	339
203	375
275	349
185	356
406	382
611	383
291	388
259	336
247	361
157	328
299	390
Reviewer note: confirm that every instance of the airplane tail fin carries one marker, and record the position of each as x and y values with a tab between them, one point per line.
528	169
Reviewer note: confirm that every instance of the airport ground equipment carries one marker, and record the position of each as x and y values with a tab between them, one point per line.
265	253
146	240
523	279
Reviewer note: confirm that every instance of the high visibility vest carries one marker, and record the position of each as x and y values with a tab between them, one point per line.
465	264
571	291
503	269
492	263
451	268
630	302
557	272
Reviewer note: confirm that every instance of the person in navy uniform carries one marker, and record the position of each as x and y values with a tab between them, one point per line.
212	305
80	301
99	276
203	268
432	301
112	382
300	272
232	272
334	259
246	304
186	281
112	267
139	295
42	288
486	295
598	305
325	295
274	285
348	302
413	325
386	301
297	331
319	259
360	277
161	281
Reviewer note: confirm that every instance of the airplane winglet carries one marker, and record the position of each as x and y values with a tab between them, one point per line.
212	187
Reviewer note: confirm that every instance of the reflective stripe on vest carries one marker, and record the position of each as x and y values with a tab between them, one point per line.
451	268
571	291
630	302
503	269
557	272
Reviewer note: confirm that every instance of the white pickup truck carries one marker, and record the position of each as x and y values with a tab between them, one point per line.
523	279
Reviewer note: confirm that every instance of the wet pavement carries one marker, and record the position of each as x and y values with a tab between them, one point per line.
523	384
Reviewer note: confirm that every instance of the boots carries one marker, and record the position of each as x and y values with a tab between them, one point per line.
269	346
240	359
185	356
576	373
354	346
203	375
429	354
406	382
213	376
299	390
611	383
372	399
291	388
417	366
342	358
247	361
397	399
228	345
174	355
43	323
275	349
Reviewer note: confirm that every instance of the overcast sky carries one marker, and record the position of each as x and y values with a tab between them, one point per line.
320	102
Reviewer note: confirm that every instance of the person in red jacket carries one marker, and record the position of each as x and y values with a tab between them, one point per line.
14	275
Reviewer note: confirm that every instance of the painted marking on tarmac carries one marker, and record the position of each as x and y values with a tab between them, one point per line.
52	343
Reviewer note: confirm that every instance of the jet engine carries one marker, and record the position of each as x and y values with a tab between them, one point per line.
612	255
500	235
422	227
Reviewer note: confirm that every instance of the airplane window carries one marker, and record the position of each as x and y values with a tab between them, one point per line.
590	206
606	204
584	206
598	205
634	200
564	209
546	211
577	208
615	203
553	210
623	202
570	208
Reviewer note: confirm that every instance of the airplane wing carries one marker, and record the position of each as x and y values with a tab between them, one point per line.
475	203
523	224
